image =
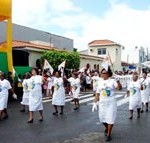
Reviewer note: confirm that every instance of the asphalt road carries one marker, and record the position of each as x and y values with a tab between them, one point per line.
73	127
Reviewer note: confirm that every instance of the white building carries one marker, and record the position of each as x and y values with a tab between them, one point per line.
103	48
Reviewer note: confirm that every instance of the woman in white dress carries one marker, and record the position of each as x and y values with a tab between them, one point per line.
50	84
25	84
95	79
4	90
107	101
145	92
35	95
76	90
134	90
59	94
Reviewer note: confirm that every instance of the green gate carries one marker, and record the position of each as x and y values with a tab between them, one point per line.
3	62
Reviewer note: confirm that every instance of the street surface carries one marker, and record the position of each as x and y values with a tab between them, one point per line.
80	126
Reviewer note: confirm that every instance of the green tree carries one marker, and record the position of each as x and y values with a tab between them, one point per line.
57	57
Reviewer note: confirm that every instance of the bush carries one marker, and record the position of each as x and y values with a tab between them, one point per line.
55	58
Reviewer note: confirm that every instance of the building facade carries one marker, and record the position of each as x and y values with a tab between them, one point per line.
22	33
103	48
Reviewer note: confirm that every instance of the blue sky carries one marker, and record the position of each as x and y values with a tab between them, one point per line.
123	21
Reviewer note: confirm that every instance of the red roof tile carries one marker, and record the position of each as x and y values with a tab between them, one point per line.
102	43
22	44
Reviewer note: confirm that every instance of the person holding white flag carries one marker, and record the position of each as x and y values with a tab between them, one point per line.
48	66
61	67
107	101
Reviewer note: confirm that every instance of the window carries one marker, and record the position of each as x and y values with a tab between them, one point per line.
102	51
20	58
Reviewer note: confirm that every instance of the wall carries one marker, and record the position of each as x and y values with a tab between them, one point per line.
23	33
33	56
84	60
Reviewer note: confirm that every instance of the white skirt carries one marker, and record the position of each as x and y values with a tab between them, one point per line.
59	97
35	101
144	97
107	111
3	101
76	93
25	98
134	104
94	88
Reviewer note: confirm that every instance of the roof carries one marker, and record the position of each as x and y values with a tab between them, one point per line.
91	56
103	43
84	52
125	63
23	44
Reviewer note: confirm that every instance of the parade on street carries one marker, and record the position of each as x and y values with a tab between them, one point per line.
74	71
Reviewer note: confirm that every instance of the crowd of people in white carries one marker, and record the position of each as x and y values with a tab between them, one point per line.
35	86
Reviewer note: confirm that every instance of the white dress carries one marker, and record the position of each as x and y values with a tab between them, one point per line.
146	90
76	88
35	93
4	87
59	92
135	95
107	102
50	82
95	82
71	80
25	98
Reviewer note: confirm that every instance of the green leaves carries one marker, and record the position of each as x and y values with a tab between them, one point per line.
57	57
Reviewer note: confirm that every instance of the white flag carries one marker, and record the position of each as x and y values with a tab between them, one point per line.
82	69
105	64
14	72
48	66
62	65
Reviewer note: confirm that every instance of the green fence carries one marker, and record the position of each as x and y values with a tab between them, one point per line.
4	66
22	70
3	62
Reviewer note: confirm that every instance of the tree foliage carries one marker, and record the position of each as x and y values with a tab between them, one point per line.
55	58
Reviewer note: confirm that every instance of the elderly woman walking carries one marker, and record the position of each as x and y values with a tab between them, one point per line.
107	102
35	95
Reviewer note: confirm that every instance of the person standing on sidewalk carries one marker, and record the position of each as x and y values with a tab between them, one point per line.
25	84
59	94
35	95
107	101
134	90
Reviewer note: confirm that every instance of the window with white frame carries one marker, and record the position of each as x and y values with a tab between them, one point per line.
102	51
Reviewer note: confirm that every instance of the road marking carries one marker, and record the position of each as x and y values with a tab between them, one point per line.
68	99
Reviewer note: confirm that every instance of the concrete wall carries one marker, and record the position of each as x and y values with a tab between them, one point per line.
23	33
33	56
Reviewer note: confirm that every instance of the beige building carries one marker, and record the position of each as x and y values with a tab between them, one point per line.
94	61
103	48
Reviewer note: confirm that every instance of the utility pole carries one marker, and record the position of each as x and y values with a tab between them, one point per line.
147	55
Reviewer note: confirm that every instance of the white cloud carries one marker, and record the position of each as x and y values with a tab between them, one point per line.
120	23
